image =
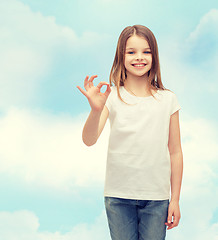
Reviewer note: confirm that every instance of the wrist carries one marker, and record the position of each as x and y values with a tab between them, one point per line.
96	111
176	200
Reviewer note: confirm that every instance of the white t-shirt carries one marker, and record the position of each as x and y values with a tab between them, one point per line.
138	160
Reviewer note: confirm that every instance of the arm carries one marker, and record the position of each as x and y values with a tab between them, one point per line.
99	112
176	158
94	126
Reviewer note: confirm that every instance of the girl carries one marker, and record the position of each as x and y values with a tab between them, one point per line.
144	152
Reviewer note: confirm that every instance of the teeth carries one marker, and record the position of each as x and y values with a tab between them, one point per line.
139	65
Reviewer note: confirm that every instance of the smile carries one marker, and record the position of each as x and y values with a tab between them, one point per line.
139	65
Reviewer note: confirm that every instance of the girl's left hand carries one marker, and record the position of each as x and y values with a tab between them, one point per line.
173	214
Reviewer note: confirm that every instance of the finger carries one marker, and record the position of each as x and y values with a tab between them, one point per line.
168	224
108	90
175	221
86	82
173	224
91	80
169	227
102	84
82	91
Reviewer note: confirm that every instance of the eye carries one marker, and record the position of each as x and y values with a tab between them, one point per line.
147	52
130	52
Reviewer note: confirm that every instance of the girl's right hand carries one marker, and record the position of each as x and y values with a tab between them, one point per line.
96	98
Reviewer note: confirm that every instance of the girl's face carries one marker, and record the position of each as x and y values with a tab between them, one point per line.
138	57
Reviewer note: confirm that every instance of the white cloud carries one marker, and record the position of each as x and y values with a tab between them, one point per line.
24	225
202	41
42	147
30	46
200	151
18	225
208	24
48	150
189	64
199	188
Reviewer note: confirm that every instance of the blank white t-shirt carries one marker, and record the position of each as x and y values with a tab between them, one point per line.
138	160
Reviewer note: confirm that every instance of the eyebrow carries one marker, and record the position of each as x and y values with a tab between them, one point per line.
134	48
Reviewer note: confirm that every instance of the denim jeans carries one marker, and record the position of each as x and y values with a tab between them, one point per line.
130	219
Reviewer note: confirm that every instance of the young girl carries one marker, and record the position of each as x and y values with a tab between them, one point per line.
144	152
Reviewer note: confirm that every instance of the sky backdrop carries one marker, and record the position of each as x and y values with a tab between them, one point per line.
51	184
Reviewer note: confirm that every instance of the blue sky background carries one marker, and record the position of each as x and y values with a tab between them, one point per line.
51	184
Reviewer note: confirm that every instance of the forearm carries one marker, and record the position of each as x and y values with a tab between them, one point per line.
176	174
90	130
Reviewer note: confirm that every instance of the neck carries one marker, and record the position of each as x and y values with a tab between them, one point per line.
137	83
138	86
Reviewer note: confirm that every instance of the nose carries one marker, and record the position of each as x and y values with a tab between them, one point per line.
139	56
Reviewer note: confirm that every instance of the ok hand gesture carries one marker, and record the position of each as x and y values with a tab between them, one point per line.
96	98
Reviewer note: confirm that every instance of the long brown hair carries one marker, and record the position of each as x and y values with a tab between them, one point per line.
118	71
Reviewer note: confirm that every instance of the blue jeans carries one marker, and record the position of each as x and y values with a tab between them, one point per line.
130	219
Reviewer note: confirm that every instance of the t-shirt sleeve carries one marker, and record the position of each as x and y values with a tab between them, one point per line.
108	103
175	106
